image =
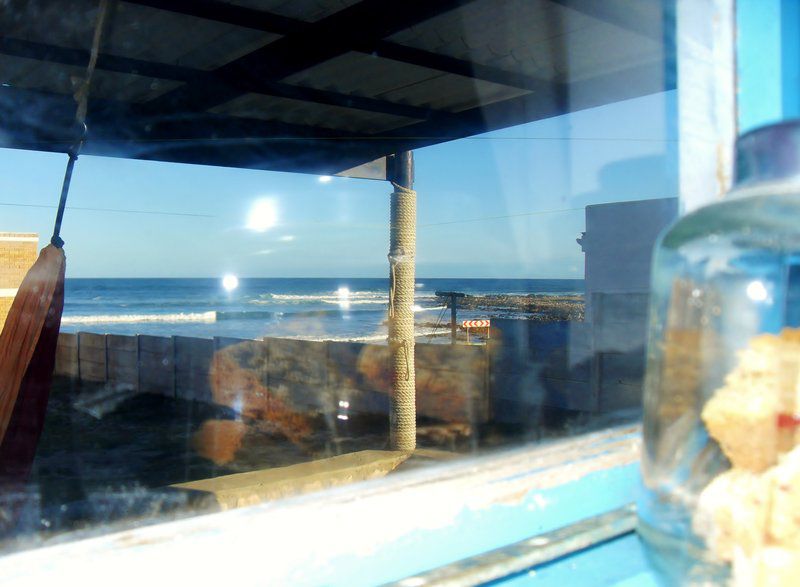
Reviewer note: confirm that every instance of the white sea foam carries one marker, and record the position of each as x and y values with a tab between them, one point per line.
353	298
206	317
355	302
432	309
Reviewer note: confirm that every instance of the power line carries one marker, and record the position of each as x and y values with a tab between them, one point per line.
533	213
114	210
484	218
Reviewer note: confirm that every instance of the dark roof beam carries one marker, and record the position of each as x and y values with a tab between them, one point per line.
268	22
31	110
447	64
40	121
367	21
228	13
107	62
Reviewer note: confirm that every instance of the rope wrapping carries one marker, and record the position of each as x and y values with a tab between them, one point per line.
401	317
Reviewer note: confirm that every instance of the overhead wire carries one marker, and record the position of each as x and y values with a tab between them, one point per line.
502	217
114	210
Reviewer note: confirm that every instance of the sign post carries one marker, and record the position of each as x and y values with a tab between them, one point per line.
478	324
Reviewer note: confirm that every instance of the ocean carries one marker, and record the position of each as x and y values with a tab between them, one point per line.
309	308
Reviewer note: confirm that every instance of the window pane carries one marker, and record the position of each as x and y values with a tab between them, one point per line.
234	312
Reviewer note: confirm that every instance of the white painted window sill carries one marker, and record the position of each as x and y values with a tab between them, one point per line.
362	534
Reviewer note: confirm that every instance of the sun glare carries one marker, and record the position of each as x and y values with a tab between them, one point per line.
343	293
263	215
756	291
230	282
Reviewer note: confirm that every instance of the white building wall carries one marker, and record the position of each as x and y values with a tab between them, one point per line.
618	245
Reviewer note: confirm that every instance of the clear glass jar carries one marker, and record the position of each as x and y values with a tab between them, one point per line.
721	474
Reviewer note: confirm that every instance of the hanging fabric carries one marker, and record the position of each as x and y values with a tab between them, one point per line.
30	334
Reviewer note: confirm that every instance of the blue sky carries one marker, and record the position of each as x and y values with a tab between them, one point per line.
505	204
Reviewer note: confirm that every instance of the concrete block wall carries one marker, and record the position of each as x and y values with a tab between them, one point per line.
18	252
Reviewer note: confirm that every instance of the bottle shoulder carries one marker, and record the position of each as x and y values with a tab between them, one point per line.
774	215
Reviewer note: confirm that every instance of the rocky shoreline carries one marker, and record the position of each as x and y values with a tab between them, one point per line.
535	307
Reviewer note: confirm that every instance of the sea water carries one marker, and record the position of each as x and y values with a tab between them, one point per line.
310	308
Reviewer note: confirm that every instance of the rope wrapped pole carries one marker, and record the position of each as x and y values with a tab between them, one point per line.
402	249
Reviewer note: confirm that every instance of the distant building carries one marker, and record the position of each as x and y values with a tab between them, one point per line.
618	244
18	252
596	365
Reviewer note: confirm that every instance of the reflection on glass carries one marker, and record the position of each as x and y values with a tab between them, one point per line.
230	282
343	293
171	371
263	215
757	291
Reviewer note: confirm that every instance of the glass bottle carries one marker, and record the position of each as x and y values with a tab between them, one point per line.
721	475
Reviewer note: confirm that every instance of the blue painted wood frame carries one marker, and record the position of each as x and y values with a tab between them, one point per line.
768	61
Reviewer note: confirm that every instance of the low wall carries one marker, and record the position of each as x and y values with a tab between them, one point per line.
326	377
594	367
535	364
571	365
619	340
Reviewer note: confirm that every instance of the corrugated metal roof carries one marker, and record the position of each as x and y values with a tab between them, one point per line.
299	112
316	85
402	83
305	10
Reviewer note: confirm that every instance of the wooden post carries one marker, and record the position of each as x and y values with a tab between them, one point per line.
402	247
453	318
453	295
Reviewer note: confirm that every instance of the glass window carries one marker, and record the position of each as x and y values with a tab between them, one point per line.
234	288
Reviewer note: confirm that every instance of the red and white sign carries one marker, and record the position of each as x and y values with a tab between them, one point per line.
476	323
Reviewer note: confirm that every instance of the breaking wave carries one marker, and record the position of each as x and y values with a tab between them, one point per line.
207	317
335	297
132	318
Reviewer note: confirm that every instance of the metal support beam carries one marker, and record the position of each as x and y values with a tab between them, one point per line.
402	247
